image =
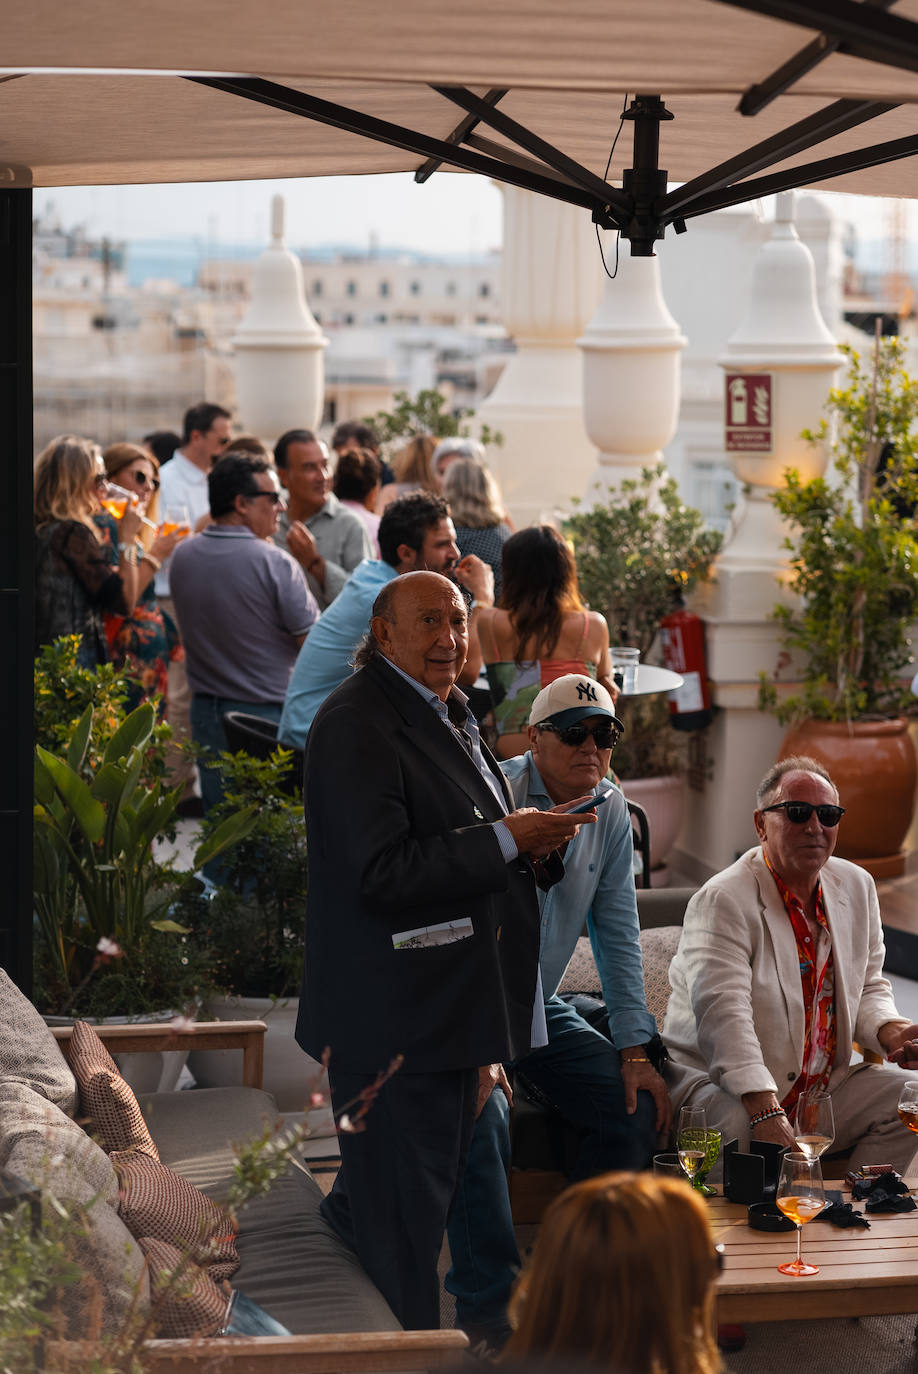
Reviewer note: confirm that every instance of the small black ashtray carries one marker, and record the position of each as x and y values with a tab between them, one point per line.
765	1216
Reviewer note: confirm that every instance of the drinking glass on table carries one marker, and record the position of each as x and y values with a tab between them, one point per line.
691	1140
908	1106
801	1196
176	517
814	1123
711	1152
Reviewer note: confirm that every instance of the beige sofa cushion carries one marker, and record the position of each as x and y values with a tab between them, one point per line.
186	1300
158	1203
29	1052
40	1144
105	1098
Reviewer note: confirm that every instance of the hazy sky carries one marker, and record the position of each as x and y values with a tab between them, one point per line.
450	214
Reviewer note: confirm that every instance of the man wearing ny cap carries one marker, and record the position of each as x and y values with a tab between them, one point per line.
611	1091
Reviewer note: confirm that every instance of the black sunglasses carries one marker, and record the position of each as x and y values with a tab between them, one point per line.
604	736
142	479
273	496
798	813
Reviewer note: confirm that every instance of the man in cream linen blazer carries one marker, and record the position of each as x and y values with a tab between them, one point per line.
735	1025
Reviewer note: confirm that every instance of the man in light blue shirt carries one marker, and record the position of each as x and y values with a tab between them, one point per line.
415	535
610	1090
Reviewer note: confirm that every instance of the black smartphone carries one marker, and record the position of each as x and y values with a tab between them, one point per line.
590	805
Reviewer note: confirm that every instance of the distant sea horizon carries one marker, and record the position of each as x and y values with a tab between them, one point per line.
180	259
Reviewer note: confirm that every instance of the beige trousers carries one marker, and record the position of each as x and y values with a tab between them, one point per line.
864	1105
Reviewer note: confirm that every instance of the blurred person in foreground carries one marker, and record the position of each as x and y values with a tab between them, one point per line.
478	514
415	535
145	641
326	539
358	474
82	571
243	607
621	1278
779	970
422	931
540	631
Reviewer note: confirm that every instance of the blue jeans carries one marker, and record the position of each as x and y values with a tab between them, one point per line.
578	1070
207	730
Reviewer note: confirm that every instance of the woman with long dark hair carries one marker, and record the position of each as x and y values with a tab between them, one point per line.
538	632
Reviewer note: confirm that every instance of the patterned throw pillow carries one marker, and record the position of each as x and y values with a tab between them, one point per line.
105	1098
157	1202
658	949
29	1052
186	1301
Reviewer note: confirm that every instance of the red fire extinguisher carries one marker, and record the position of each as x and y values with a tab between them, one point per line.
682	634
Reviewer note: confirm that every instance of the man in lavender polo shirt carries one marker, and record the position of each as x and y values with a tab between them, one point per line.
243	606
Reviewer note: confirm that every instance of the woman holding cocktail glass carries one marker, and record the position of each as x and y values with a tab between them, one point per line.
79	575
622	1277
144	641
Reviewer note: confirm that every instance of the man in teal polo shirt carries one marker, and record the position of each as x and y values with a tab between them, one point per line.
415	535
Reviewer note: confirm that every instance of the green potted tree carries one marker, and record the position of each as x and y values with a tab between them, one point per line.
108	945
854	572
632	554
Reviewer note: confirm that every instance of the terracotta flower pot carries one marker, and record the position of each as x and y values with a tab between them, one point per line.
874	766
664	801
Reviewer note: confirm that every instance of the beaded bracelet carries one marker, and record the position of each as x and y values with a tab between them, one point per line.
768	1113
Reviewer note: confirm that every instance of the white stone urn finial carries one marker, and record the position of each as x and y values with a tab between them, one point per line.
279	347
277	221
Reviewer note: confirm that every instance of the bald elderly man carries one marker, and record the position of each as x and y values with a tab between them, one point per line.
422	930
779	969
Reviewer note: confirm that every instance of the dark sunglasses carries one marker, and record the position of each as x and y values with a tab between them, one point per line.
604	736
798	813
142	479
273	496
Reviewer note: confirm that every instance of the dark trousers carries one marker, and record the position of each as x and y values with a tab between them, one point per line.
393	1193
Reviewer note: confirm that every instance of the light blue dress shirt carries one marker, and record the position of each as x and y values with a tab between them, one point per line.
598	886
325	660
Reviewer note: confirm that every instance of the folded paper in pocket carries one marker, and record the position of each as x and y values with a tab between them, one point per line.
426	937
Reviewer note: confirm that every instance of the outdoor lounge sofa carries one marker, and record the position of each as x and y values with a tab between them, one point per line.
292	1264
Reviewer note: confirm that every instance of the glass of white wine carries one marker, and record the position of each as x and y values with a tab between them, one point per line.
801	1196
814	1123
908	1106
691	1140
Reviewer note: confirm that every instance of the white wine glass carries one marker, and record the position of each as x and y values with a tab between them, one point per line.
712	1142
801	1196
908	1105
691	1140
814	1123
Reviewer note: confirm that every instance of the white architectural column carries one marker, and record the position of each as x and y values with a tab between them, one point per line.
549	288
279	347
631	351
783	336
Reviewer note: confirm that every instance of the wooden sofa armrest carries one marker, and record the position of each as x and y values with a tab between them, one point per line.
351	1353
248	1036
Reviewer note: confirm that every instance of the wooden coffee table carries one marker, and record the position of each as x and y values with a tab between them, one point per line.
861	1273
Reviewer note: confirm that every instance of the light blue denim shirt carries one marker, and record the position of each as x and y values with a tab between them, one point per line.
598	886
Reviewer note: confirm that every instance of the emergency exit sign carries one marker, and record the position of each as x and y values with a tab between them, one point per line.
749	423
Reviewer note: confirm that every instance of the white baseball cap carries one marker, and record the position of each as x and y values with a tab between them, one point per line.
569	699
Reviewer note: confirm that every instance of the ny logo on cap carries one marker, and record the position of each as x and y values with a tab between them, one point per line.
586	691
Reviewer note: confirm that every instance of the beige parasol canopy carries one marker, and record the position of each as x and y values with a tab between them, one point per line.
96	93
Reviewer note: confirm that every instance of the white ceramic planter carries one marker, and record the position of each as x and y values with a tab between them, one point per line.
290	1075
154	1072
663	799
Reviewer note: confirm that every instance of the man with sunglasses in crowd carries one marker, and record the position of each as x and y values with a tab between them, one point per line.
779	969
610	1090
243	606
